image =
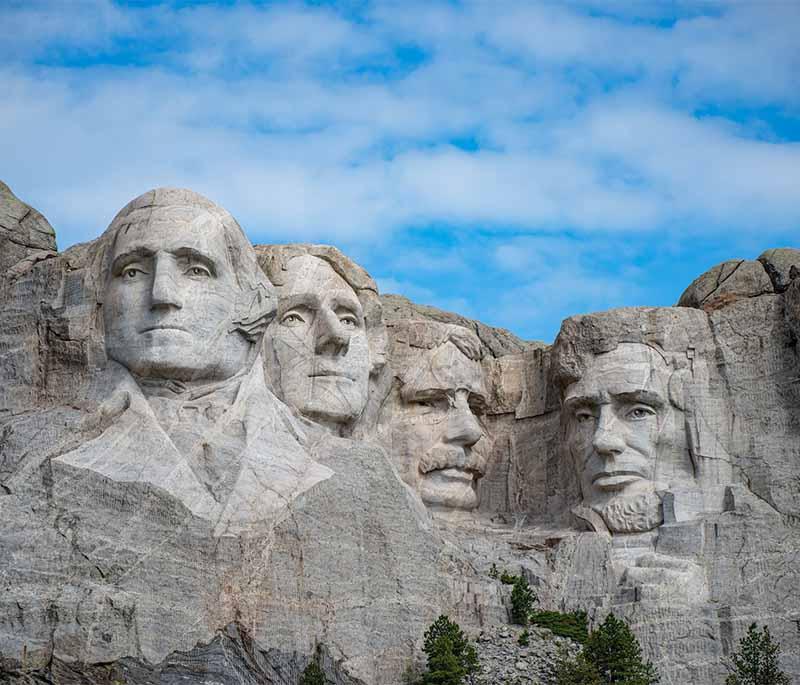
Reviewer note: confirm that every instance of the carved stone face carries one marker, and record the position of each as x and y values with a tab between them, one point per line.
621	434
436	436
171	297
319	361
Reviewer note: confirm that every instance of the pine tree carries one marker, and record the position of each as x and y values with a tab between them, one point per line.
451	657
312	675
615	652
575	671
522	599
756	662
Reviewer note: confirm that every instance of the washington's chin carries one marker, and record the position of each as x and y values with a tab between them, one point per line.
449	489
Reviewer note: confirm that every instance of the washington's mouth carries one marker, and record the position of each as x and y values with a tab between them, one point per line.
615	479
163	327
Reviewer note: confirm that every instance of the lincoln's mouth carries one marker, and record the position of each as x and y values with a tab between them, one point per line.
615	479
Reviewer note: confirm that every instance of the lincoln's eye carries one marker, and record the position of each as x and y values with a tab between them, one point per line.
639	413
198	272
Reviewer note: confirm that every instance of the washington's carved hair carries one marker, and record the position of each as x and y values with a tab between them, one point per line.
257	306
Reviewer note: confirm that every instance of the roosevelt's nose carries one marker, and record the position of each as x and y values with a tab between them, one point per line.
462	427
608	440
331	335
165	292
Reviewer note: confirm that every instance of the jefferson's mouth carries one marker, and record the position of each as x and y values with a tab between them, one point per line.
330	373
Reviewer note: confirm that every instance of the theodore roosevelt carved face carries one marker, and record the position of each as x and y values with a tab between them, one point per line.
437	441
173	292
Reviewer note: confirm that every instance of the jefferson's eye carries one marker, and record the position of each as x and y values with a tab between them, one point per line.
639	413
198	272
349	321
292	319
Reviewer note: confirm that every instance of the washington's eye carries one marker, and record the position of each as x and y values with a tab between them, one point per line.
640	412
198	272
131	272
292	319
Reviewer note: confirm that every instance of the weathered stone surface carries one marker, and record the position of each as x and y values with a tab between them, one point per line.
193	506
725	283
497	341
778	264
25	235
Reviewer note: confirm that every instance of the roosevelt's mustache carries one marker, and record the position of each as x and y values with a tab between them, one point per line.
452	456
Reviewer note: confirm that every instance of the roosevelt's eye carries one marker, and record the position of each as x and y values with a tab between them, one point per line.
584	416
639	412
292	319
197	271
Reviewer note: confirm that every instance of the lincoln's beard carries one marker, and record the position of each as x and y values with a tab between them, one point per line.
633	513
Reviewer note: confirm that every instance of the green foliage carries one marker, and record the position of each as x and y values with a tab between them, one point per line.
572	625
493	572
615	652
312	675
756	662
524	638
507	578
575	671
451	657
522	599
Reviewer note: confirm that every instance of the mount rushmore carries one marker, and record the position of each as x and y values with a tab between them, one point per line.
220	461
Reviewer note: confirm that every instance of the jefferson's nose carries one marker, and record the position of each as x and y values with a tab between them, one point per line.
462	427
332	337
166	292
608	439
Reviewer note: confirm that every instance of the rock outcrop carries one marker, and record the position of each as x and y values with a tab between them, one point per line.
221	463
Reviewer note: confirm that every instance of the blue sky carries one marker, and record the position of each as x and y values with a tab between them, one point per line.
517	162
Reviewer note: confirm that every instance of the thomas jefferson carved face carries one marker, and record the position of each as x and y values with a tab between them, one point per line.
624	436
171	298
319	361
438	444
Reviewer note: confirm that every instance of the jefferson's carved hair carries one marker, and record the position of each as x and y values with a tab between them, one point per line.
274	260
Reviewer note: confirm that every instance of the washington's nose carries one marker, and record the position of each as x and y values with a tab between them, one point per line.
332	337
165	291
462	427
608	440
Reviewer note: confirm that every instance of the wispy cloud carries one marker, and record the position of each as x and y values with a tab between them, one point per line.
364	123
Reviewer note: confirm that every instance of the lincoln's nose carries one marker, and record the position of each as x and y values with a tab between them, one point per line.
608	440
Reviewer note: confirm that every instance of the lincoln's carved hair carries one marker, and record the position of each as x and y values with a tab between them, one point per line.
257	306
274	260
679	335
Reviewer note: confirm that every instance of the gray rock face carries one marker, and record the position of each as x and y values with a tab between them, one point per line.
25	235
218	463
